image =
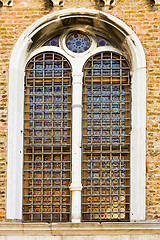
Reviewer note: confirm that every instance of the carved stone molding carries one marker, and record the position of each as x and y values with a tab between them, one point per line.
57	3
157	2
109	3
6	3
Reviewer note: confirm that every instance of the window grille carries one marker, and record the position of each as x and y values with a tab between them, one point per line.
47	139
106	138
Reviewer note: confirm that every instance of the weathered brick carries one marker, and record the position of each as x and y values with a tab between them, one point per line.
144	20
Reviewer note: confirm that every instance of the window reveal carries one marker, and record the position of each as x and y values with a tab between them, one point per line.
106	138
47	139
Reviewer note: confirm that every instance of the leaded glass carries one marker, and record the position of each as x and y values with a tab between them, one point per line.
78	42
106	138
47	139
53	42
102	42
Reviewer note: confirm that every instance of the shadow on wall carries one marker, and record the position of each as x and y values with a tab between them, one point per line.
48	4
53	3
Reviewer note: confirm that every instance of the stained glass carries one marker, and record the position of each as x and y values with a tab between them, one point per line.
78	42
106	138
53	42
102	42
47	139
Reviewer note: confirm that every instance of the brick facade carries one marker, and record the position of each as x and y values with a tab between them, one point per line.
144	19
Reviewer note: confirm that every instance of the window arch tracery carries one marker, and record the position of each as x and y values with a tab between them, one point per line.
121	42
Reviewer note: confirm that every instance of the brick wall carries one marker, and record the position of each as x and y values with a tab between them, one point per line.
144	19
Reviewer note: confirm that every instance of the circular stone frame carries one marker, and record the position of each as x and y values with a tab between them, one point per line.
79	44
66	34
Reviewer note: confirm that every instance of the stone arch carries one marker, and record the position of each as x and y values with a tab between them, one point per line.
30	40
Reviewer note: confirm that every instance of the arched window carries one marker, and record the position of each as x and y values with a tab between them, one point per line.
106	138
47	139
77	121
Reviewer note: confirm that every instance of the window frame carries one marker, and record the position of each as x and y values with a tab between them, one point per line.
105	150
46	149
19	58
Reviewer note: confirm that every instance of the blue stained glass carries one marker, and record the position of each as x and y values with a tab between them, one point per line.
115	64
123	99
53	42
116	97
38	90
102	42
58	68
38	69
38	107
78	42
48	68
48	90
116	71
38	99
98	65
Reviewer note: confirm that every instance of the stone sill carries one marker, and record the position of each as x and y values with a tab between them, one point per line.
78	229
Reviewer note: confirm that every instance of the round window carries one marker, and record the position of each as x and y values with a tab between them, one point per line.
78	42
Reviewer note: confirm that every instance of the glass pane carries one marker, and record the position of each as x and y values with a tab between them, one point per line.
102	42
53	42
78	42
106	138
47	139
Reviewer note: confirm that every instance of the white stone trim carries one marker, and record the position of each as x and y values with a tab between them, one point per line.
18	60
57	3
7	3
138	147
138	134
76	185
77	55
109	2
157	2
81	229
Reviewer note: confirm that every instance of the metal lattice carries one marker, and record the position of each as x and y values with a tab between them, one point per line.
106	138
47	139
